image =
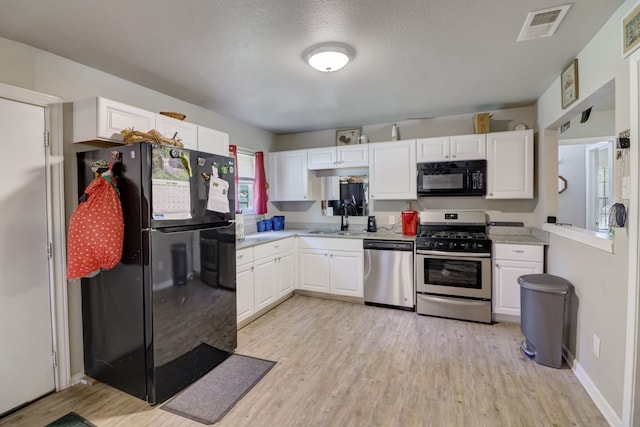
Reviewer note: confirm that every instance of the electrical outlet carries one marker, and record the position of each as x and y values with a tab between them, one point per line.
596	345
392	219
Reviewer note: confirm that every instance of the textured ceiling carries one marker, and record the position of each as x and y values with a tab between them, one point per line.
243	58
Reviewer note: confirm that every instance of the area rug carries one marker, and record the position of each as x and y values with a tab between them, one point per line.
70	420
212	396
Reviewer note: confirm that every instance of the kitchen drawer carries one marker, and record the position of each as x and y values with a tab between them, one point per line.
533	253
244	256
273	248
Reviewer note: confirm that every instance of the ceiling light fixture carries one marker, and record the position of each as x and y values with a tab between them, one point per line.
328	57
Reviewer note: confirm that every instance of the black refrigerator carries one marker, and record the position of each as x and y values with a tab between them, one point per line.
166	314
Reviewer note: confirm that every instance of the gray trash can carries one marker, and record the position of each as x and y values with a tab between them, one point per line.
544	313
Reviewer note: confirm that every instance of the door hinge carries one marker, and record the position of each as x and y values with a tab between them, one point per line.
55	359
49	250
46	138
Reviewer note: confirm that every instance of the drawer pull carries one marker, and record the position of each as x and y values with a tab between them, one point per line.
240	256
518	251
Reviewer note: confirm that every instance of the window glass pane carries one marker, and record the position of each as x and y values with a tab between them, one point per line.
245	195
246	166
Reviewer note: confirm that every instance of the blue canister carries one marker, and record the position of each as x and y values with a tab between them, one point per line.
278	222
262	226
268	224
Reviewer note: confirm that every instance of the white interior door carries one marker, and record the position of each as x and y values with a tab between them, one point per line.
26	364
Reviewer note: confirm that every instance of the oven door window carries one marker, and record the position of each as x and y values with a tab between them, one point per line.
453	273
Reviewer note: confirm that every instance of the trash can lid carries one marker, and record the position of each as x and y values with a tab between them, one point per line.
545	283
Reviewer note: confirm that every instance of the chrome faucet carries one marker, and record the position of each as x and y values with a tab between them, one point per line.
344	215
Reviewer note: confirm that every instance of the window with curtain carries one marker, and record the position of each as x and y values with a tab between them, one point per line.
246	181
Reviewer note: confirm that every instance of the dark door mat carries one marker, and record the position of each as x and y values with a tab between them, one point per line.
212	396
70	420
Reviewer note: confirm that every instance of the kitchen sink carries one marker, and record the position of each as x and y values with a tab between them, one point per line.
337	233
349	233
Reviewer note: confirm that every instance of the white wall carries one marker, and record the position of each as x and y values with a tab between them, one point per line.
30	68
600	279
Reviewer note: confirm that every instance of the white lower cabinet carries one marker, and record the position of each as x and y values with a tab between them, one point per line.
264	273
244	283
333	266
511	261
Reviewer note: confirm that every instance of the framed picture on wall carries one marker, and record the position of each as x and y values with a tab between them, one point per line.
631	31
348	136
569	84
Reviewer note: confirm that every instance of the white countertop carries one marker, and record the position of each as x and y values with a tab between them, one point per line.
270	236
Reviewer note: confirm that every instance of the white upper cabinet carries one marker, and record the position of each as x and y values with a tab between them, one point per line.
469	147
353	156
100	119
213	141
290	179
321	158
184	131
510	165
347	156
392	170
452	148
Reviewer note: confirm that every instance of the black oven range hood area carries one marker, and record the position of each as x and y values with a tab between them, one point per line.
446	179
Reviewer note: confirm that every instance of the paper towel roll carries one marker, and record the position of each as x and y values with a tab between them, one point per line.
239	226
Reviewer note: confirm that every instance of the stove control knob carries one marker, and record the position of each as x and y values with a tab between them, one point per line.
451	245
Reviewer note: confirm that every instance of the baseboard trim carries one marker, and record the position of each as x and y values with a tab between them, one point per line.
343	298
603	406
76	378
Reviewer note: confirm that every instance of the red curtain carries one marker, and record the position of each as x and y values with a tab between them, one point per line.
260	191
233	152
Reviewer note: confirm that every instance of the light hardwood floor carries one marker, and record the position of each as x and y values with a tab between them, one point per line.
343	364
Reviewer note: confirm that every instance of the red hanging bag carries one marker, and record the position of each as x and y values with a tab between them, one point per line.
96	229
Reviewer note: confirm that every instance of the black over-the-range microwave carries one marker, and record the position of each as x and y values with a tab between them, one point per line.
460	178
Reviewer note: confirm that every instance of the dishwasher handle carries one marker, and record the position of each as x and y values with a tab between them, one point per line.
388	245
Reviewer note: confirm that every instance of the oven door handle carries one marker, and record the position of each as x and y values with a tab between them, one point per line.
454	301
454	254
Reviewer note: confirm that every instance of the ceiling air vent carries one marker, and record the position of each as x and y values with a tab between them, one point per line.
542	23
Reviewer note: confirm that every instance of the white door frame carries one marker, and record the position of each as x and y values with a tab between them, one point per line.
633	330
591	172
56	224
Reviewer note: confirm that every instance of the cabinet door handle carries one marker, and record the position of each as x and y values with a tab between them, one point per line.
251	268
497	265
454	156
446	156
276	246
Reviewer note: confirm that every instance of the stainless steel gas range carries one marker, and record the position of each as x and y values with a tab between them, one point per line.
453	265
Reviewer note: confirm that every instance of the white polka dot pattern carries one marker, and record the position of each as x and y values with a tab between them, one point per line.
96	231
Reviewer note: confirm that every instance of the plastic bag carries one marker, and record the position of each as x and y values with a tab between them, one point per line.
96	230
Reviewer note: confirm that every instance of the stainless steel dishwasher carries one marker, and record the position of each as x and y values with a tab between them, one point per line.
389	273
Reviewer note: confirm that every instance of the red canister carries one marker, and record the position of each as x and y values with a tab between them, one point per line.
409	223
